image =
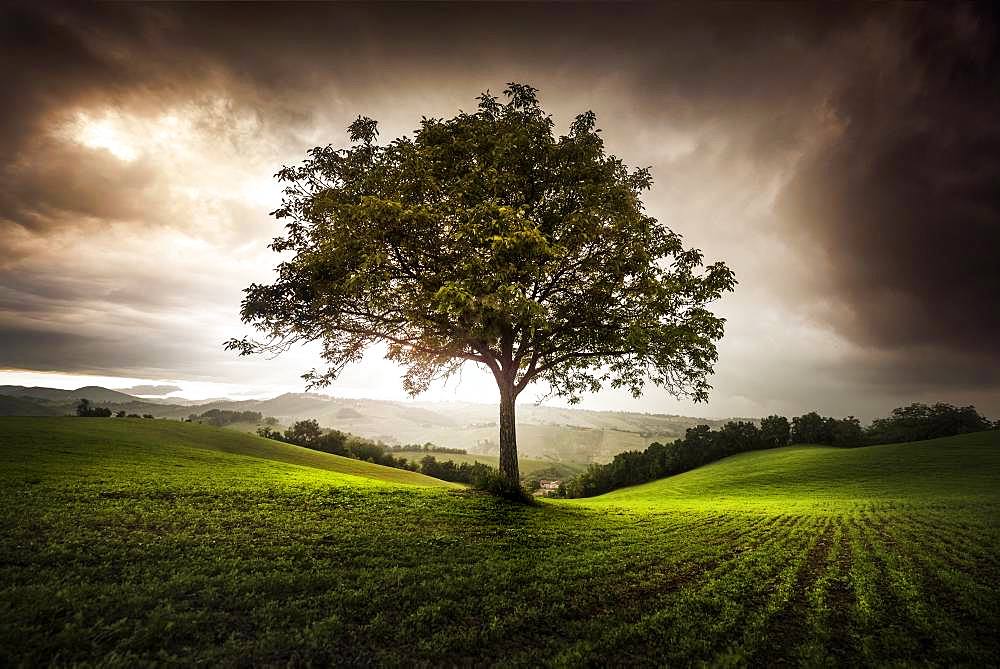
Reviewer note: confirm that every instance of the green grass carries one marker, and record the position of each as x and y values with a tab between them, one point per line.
134	449
250	428
821	479
111	554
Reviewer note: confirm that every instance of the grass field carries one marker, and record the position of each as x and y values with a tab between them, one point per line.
133	450
131	543
960	471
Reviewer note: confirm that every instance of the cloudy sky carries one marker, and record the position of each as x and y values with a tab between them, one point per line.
844	161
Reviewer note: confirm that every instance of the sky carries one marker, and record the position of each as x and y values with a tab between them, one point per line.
843	161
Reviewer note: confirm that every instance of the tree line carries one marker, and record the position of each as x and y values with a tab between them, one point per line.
86	409
917	422
425	448
471	473
701	444
223	417
309	434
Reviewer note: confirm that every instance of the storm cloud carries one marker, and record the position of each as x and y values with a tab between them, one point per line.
901	208
844	161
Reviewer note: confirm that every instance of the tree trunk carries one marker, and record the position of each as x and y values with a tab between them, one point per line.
508	435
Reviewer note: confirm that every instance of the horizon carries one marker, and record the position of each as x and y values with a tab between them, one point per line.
72	382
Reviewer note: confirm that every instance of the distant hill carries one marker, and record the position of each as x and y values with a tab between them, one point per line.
164	444
20	406
796	479
551	433
92	393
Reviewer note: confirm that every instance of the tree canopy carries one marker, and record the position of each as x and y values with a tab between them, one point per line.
485	238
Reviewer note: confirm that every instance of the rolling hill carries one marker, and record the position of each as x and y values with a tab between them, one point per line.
98	445
20	406
962	469
131	542
553	433
93	393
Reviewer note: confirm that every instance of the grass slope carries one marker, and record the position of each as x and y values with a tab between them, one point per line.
825	479
148	448
111	554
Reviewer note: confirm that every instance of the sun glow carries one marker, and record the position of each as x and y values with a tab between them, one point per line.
107	133
128	137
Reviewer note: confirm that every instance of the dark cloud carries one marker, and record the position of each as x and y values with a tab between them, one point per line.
91	349
901	208
43	349
59	56
52	184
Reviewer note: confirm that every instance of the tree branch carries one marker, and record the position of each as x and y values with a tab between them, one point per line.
526	379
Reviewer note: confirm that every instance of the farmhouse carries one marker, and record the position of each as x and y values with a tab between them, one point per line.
547	487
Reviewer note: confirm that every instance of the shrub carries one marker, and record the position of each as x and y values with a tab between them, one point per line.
490	480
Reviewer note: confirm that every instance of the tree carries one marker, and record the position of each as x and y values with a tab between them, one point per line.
811	428
486	239
303	432
847	432
268	433
86	409
774	431
738	437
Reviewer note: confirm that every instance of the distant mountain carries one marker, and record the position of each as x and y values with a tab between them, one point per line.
569	435
182	401
92	393
20	406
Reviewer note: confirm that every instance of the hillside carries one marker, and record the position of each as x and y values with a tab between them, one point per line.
93	393
20	406
135	543
158	445
571	435
962	469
